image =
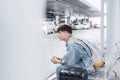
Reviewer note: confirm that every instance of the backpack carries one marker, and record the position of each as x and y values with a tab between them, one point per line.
97	59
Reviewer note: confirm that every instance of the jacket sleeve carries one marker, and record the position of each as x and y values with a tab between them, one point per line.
73	55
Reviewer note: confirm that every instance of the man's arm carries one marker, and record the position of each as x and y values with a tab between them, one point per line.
75	52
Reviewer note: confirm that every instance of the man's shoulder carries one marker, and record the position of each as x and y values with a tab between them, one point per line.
73	41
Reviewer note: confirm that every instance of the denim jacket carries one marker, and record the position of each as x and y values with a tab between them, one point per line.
78	55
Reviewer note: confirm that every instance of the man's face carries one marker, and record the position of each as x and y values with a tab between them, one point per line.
62	35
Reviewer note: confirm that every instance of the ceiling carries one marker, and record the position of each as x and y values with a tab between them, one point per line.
77	6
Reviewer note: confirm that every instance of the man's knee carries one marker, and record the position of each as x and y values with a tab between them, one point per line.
59	68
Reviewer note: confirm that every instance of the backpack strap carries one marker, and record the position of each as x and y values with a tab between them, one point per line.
90	49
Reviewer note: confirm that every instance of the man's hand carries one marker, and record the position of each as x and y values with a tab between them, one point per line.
55	60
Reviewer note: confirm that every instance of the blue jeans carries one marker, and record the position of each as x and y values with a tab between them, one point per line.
58	69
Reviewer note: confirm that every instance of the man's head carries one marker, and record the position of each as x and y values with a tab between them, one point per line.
64	32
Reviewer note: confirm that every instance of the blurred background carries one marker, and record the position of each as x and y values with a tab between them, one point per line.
28	33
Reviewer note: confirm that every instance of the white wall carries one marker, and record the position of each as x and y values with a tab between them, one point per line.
20	39
113	26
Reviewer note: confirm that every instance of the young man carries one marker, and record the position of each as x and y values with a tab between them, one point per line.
77	52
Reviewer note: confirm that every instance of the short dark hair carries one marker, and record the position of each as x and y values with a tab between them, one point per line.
65	27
